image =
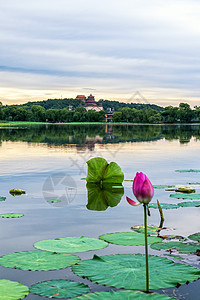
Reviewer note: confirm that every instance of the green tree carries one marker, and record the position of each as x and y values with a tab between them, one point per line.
170	114
39	113
117	116
185	113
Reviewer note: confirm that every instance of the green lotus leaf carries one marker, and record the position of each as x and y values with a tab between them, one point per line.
125	295
187	171
181	247
17	192
12	290
113	174
128	238
70	244
189	204
185	196
195	237
11	215
184	190
194	183
160	186
101	197
151	229
2	198
59	288
38	260
53	201
99	171
128	271
163	205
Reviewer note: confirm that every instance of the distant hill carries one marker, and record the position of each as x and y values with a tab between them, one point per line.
116	105
64	103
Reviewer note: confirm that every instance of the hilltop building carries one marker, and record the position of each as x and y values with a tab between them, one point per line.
81	97
90	102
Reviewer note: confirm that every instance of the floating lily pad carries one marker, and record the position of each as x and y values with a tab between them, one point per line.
59	289
70	244
184	190
38	260
53	201
151	229
99	171
163	205
194	183
128	271
187	171
11	215
17	192
2	198
195	237
160	186
189	204
12	290
181	247
125	295
128	238
185	196
102	197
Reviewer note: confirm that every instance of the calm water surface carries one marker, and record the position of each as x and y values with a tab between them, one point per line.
39	158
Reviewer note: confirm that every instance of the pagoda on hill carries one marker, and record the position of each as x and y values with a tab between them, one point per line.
90	102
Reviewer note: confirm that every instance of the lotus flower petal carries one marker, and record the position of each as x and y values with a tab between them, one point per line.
131	202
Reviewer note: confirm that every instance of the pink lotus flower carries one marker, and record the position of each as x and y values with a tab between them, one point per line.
142	189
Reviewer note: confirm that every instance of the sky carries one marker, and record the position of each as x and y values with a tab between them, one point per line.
130	50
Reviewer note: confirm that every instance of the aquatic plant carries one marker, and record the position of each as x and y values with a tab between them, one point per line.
143	191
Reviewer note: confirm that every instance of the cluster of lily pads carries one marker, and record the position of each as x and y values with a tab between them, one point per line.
121	271
111	270
13	192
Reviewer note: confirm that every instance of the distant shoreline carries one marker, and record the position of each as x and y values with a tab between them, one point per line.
24	124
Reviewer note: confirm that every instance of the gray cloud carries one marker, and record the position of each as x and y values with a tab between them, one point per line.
113	46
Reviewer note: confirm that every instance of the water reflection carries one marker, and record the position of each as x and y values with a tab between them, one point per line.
87	136
101	197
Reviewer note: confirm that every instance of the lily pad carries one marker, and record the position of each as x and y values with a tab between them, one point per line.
11	215
163	205
128	238
125	295
184	190
70	244
101	197
53	201
151	229
187	171
99	171
162	186
128	271
59	288
195	237
17	192
185	196
2	198
181	247
38	260
12	290
189	204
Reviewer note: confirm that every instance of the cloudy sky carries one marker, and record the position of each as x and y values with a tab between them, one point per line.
111	48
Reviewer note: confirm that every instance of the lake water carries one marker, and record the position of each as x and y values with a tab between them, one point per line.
38	159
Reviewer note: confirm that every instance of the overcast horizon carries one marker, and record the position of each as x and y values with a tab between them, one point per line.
112	49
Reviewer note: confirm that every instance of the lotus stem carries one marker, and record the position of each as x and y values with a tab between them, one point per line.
146	248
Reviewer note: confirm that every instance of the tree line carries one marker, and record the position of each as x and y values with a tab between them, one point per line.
37	113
